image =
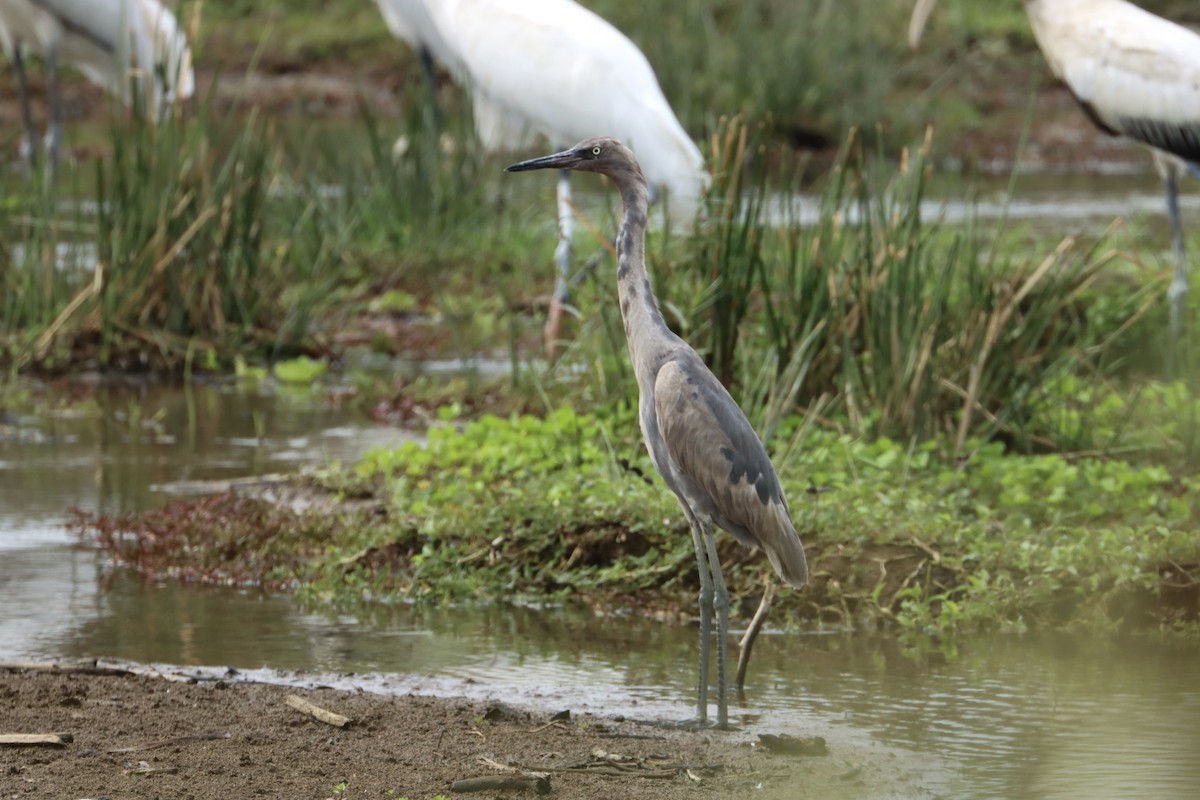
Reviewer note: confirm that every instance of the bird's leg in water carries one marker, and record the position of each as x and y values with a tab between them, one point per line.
752	631
1177	294
706	610
28	147
54	130
562	260
721	605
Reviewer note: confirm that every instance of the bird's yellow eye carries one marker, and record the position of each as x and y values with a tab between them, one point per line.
596	151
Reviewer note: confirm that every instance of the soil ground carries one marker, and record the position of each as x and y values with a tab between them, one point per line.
143	734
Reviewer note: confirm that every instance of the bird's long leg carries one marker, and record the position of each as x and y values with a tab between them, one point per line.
706	612
54	130
1177	294
28	147
752	631
562	260
721	606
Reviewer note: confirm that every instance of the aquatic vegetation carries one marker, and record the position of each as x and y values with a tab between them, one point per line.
567	508
301	370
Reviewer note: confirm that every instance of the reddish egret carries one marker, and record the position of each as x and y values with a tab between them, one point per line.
699	440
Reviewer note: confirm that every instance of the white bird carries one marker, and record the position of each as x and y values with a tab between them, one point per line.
125	46
1135	75
554	68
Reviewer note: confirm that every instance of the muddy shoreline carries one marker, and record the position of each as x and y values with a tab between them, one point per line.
137	731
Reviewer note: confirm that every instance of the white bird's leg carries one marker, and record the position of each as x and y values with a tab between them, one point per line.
721	605
1177	294
706	611
562	260
430	73
54	130
28	147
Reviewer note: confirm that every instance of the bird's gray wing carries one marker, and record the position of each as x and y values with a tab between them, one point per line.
724	469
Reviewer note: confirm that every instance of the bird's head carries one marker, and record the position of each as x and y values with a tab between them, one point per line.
601	154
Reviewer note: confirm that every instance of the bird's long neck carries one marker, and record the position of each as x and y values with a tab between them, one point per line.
639	308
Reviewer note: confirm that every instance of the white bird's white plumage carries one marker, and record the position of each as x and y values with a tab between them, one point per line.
115	43
570	74
554	68
132	48
1127	65
412	22
1124	64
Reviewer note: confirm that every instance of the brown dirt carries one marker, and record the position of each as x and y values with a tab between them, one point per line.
396	746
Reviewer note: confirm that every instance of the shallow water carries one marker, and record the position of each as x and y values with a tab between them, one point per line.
996	717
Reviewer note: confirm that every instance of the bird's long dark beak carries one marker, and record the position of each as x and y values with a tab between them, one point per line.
564	160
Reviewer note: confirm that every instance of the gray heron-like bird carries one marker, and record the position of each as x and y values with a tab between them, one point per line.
126	46
697	436
1135	75
553	68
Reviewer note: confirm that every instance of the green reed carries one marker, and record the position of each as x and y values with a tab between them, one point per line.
916	328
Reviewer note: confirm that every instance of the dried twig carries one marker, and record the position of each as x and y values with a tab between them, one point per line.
203	737
34	739
316	712
489	783
554	723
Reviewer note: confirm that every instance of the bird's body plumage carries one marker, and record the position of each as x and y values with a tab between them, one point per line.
568	73
1136	74
697	436
412	21
555	69
712	459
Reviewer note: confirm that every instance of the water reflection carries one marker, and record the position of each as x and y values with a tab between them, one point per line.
132	441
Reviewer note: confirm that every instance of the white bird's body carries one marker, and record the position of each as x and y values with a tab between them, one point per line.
1135	75
553	68
409	21
568	73
118	44
412	21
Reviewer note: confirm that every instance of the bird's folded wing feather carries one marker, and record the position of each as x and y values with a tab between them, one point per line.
712	444
1137	73
722	467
